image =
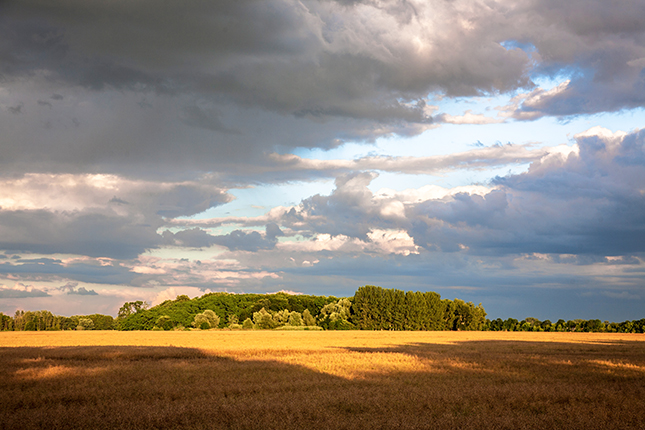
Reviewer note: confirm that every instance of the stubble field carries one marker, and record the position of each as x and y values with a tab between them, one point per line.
321	380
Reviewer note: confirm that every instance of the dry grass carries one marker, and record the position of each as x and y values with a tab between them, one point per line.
282	379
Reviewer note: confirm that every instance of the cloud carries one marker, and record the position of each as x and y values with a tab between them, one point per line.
16	110
20	291
245	241
81	291
85	233
589	201
81	214
173	292
583	199
231	81
72	288
480	158
80	269
467	118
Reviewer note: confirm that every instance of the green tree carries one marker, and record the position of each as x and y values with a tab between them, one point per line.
130	308
281	317
233	320
6	322
206	320
164	322
263	319
85	324
295	319
308	319
335	316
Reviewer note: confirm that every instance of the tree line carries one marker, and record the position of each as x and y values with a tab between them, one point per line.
45	320
577	325
371	308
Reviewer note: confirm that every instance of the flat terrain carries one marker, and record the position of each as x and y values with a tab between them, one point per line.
321	380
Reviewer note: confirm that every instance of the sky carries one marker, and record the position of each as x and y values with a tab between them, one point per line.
490	151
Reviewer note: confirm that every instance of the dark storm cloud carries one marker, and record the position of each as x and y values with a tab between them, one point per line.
16	110
91	272
239	240
282	73
591	203
92	234
191	238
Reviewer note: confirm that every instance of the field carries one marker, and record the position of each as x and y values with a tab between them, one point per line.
321	380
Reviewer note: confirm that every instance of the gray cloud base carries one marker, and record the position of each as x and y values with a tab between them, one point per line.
138	84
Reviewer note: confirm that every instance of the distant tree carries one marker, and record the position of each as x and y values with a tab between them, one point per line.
213	318
459	315
205	320
335	316
201	322
295	319
625	327
233	320
247	324
638	326
85	324
102	322
594	325
6	322
281	317
367	307
130	308
308	319
547	325
164	322
263	319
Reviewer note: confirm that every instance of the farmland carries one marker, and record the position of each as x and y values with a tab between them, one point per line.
321	379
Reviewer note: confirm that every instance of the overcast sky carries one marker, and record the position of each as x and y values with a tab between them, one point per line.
487	150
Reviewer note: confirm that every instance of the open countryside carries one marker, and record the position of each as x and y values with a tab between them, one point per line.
269	379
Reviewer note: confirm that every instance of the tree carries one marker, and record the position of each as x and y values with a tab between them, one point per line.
213	318
263	319
233	320
367	307
281	317
307	318
201	322
164	322
85	324
205	320
6	322
295	319
247	324
335	316
130	308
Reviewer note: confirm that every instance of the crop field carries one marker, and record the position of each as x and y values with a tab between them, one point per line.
321	380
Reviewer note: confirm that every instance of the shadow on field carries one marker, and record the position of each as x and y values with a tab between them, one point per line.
469	385
539	360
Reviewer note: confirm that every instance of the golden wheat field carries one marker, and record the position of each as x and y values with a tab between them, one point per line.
321	380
